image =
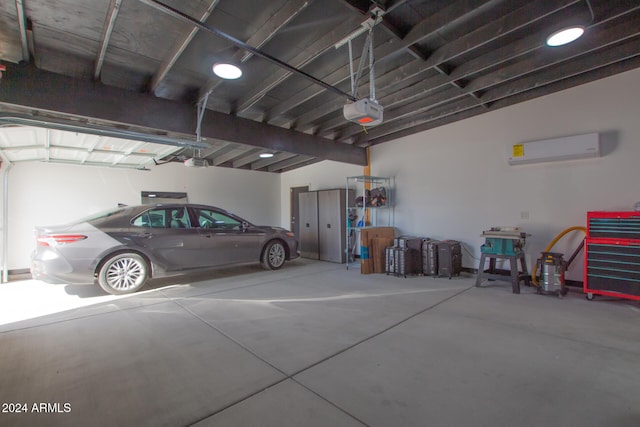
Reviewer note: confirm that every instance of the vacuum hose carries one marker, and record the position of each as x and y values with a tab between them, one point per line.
534	279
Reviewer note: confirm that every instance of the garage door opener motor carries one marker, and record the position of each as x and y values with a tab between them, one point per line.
363	111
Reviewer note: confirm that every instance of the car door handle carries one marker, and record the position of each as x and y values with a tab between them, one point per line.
208	235
145	235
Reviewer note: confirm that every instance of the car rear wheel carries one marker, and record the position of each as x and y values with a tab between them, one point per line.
122	274
274	255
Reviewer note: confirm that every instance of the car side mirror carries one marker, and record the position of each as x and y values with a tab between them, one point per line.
244	225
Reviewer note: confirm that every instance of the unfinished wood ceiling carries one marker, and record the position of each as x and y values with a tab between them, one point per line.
143	66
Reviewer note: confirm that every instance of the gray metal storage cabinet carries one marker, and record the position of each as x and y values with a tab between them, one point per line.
322	225
308	222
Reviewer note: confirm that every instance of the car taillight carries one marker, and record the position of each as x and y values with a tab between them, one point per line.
59	239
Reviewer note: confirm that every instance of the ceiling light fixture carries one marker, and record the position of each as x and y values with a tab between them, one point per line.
565	36
227	71
266	155
571	33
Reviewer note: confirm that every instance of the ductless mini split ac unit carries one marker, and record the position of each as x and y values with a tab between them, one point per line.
549	150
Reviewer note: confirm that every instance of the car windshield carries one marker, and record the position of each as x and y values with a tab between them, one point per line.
102	214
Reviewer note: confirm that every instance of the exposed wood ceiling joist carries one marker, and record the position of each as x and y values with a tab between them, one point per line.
437	61
181	44
29	87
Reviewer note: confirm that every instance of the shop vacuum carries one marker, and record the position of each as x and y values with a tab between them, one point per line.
552	267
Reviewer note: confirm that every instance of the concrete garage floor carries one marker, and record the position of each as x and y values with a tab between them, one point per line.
316	345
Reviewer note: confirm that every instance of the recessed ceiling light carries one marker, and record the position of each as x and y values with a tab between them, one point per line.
266	155
564	36
227	71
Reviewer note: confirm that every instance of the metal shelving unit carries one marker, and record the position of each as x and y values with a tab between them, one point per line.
366	215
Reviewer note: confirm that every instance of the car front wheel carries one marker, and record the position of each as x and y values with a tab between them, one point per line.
274	255
122	274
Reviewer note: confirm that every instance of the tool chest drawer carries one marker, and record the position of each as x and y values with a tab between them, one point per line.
620	225
612	265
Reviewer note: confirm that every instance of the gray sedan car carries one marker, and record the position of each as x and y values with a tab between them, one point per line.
122	248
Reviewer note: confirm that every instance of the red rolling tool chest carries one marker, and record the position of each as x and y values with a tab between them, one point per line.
612	255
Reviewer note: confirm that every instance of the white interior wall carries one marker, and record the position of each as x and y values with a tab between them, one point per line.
318	176
48	194
454	181
450	182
